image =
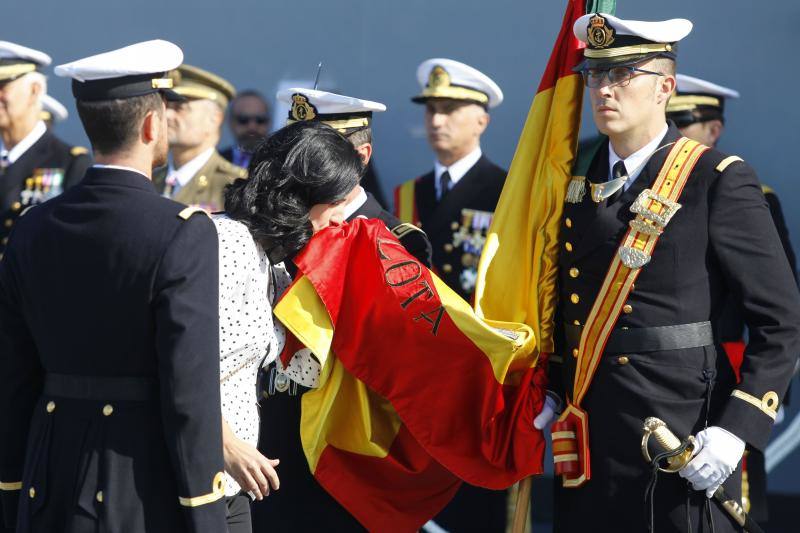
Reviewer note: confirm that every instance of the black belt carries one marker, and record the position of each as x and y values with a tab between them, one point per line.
655	339
101	388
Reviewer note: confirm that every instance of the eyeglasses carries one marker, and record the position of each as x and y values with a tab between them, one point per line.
244	120
619	76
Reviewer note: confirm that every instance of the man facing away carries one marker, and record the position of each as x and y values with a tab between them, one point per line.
109	348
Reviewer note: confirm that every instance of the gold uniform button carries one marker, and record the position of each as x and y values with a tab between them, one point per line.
574	298
16	206
32	492
568	222
448	247
8	223
568	246
454	226
627	309
623	360
51	406
99	496
108	409
577	322
574	352
447	267
574	272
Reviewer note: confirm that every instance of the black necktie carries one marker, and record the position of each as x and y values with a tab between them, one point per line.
618	171
444	184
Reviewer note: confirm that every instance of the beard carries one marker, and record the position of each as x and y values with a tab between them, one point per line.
160	153
249	142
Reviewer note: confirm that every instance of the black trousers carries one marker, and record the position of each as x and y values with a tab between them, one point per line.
238	509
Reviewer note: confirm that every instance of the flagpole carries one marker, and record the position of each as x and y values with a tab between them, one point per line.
522	505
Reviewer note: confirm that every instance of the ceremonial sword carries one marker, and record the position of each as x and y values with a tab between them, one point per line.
682	455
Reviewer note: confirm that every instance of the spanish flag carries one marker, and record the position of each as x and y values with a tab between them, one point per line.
416	393
518	268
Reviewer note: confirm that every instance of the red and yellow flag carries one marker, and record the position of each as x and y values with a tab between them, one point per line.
518	267
416	393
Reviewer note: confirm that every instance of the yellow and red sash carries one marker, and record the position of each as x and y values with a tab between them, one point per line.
654	208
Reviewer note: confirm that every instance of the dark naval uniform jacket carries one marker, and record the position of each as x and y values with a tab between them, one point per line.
721	241
207	188
109	363
46	169
302	504
457	225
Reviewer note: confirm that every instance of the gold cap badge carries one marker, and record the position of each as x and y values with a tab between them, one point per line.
599	33
438	78
302	109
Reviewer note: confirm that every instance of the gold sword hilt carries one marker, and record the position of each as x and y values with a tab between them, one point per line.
666	439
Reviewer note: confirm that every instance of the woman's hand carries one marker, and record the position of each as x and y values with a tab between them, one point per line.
245	464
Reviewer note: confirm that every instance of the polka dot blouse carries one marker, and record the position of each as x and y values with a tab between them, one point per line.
248	336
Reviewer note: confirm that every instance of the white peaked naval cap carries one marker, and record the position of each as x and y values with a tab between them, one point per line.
445	78
134	70
343	113
17	60
54	108
612	41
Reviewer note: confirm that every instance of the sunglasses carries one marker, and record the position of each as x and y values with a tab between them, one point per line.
244	120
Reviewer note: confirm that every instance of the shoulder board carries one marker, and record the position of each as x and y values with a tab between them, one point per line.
766	189
725	163
75	151
191	210
401	230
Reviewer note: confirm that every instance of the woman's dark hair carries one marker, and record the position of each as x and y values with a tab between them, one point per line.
303	164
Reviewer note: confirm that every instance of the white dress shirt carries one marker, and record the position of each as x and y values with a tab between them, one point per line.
248	336
456	170
179	177
21	147
635	162
356	204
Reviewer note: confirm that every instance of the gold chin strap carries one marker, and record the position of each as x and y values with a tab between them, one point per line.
14	71
627	50
341	125
687	102
456	93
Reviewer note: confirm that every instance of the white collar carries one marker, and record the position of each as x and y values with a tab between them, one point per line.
120	167
456	170
635	162
29	140
356	204
185	174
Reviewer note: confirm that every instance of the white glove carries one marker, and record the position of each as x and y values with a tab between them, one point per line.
550	408
717	452
780	416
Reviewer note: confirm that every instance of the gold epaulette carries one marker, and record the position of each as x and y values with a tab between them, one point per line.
191	210
401	230
75	151
217	492
725	163
766	189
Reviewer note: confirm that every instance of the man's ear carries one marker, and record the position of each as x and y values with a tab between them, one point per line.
150	127
666	87
483	120
715	129
365	151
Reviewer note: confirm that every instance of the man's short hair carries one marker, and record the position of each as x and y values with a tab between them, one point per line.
359	137
113	125
252	93
664	65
